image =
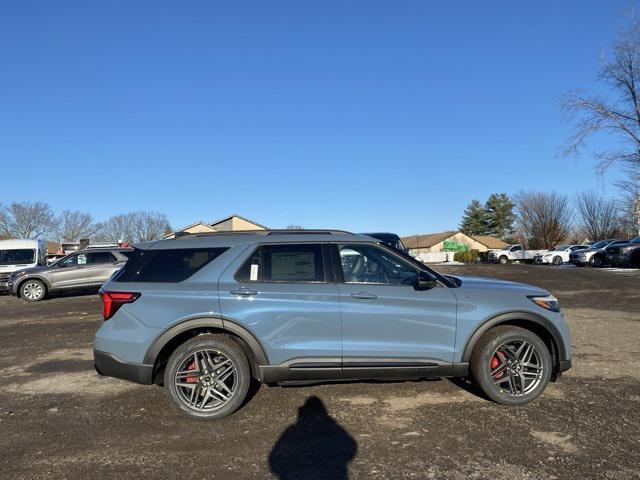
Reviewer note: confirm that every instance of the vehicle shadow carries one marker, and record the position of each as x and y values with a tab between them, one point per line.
314	447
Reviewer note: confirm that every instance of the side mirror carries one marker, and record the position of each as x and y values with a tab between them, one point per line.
425	282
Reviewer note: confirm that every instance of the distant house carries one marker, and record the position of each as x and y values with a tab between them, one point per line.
451	241
226	224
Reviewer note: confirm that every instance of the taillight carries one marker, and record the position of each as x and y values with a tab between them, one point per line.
112	301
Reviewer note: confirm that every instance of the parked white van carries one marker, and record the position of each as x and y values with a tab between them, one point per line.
19	254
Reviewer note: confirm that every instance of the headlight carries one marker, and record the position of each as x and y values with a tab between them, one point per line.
626	249
548	302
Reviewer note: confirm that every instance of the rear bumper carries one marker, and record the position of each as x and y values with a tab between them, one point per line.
111	366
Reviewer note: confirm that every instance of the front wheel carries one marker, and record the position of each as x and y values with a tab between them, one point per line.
503	260
511	365
33	291
596	261
207	377
557	260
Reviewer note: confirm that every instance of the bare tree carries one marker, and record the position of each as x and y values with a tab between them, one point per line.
74	225
617	116
598	217
27	220
116	229
295	227
629	204
543	219
147	226
134	227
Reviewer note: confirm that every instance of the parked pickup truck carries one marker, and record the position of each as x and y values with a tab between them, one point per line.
513	253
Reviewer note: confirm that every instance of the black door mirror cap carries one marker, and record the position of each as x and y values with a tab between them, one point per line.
425	282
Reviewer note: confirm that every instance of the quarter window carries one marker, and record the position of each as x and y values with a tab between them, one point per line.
373	265
174	265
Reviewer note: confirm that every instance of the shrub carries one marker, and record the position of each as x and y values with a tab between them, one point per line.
466	257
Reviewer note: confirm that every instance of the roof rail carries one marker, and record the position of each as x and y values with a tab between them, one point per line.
263	232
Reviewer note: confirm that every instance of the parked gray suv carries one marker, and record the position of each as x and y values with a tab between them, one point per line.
83	269
205	314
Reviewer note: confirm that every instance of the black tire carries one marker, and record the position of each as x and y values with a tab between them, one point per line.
596	261
557	260
486	349
503	260
33	290
223	347
635	260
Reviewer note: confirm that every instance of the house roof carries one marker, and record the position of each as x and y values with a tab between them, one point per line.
427	240
228	217
489	241
212	225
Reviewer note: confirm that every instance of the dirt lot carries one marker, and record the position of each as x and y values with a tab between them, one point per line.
58	419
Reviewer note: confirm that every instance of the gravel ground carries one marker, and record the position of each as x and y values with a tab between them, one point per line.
58	419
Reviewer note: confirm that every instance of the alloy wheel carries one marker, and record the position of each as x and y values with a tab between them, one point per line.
516	368
33	290
206	380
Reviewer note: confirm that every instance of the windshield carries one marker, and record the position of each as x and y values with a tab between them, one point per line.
636	240
559	248
600	244
17	256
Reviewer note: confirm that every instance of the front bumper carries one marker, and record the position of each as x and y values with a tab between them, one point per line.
111	366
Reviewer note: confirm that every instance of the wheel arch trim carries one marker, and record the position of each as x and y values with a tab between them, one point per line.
508	317
219	322
26	278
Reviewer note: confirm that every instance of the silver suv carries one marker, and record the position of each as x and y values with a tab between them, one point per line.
204	314
79	270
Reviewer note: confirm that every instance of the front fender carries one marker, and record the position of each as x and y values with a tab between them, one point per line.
514	317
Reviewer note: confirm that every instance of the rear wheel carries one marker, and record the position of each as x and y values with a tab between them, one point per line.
207	377
33	291
511	365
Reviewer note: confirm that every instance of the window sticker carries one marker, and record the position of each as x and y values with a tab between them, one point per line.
292	266
253	275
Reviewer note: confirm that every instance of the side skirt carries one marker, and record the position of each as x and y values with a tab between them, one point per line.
331	372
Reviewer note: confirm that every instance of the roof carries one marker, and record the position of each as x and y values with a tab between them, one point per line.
427	240
247	237
489	241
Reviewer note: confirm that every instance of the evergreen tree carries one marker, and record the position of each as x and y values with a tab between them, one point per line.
474	221
499	215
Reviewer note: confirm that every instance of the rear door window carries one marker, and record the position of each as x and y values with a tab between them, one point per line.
100	257
291	263
174	265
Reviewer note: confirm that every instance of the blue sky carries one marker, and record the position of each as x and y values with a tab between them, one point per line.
361	115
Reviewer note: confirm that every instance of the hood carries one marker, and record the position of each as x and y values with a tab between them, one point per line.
492	283
33	270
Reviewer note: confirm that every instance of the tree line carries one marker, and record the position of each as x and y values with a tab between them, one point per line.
38	220
546	219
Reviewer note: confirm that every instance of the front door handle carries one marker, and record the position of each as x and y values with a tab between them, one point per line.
364	296
243	291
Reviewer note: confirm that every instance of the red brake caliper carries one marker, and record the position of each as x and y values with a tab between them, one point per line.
495	362
192	379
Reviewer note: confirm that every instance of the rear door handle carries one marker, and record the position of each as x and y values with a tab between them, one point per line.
243	291
364	296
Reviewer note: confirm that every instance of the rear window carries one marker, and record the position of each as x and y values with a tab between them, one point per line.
166	266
